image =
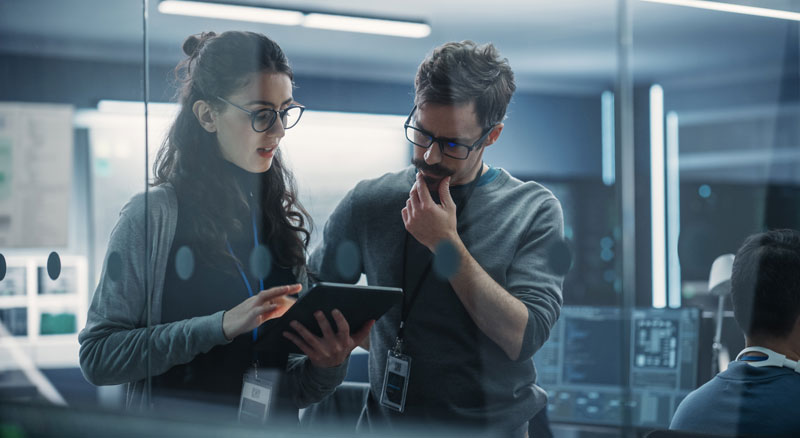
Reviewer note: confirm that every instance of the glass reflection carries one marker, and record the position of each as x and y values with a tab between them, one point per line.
720	143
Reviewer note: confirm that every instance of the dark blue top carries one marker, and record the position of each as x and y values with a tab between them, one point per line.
744	400
215	377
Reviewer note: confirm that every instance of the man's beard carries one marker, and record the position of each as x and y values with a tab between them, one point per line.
440	172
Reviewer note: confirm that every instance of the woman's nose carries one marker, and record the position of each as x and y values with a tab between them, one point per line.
277	129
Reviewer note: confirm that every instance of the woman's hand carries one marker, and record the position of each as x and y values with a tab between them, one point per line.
332	348
253	311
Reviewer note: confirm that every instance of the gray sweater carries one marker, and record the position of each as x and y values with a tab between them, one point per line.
114	341
458	375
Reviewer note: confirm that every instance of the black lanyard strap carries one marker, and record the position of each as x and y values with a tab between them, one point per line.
414	293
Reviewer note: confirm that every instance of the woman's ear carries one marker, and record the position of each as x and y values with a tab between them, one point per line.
205	115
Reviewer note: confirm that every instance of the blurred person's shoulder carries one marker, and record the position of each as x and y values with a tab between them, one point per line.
694	410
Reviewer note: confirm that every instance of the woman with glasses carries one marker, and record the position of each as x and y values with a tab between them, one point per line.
214	248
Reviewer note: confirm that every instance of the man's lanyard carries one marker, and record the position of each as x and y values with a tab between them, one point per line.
414	293
241	271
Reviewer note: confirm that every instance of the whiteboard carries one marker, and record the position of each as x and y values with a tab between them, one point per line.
36	143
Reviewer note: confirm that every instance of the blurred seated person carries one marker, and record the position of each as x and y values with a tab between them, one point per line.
756	394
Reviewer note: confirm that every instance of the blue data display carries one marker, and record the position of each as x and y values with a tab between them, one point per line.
603	367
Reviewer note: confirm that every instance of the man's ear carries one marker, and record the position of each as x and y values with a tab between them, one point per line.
494	135
205	115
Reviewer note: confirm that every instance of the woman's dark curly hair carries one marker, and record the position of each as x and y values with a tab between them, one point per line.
190	157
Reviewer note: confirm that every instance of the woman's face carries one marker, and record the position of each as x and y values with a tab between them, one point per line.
238	142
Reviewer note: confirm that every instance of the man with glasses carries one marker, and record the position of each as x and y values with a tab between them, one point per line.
469	244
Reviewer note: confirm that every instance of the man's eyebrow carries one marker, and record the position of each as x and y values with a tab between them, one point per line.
454	140
265	103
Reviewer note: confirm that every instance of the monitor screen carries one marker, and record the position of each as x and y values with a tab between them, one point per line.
599	370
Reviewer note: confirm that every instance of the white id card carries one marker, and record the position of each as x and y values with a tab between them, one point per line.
254	402
395	381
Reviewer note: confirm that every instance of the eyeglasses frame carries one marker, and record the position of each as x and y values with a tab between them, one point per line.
441	140
277	114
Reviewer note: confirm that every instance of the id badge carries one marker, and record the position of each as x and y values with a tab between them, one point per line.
395	381
254	402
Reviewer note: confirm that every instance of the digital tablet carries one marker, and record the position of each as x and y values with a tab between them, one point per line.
358	304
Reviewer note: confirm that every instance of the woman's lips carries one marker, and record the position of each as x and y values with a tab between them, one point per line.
266	152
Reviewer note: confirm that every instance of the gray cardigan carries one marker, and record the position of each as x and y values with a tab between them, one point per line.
114	341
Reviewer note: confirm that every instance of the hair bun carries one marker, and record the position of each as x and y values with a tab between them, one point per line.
194	43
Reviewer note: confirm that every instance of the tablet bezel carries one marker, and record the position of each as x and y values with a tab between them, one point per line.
358	303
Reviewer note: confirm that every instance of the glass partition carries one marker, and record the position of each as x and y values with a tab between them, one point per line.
66	170
168	168
716	136
350	156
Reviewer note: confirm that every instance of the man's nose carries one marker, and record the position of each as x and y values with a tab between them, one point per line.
434	154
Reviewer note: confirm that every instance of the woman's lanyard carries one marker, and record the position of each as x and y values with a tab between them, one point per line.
241	271
414	293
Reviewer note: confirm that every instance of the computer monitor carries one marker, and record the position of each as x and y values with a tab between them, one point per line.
595	373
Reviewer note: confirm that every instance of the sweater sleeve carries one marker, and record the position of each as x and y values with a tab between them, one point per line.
114	343
338	257
533	277
310	384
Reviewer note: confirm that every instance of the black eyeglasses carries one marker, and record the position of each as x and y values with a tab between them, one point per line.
453	149
263	119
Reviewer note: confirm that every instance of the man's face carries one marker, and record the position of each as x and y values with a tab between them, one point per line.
454	122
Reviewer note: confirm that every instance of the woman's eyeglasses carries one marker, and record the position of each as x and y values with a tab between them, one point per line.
263	119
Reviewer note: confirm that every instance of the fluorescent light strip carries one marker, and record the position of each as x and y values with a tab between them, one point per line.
657	201
673	212
736	9
727	158
607	126
367	25
316	20
231	12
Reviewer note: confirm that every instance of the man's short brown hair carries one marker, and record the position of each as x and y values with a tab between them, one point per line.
461	72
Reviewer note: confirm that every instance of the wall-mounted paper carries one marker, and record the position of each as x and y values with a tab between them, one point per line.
36	142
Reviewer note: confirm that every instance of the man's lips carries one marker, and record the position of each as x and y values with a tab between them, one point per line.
431	175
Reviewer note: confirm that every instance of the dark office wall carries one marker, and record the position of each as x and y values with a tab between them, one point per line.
77	82
745	198
544	135
550	136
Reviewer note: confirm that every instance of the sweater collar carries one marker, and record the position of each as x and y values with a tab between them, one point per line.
249	182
